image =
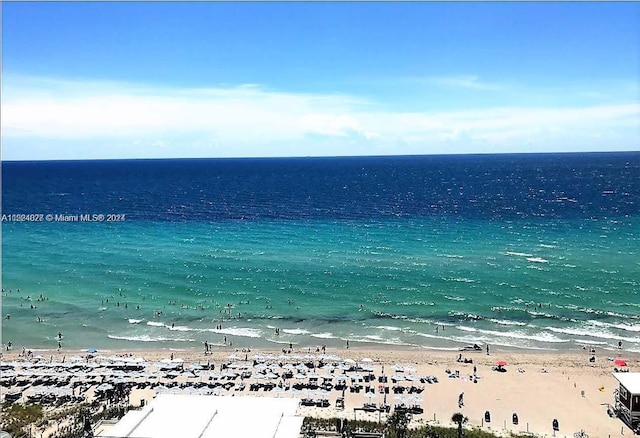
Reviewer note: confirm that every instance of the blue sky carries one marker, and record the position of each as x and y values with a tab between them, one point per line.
212	79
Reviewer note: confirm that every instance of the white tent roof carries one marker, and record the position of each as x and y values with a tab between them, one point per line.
631	381
191	416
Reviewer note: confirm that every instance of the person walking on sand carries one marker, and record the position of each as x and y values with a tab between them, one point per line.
461	400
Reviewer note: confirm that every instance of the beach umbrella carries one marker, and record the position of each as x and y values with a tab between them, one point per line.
92	350
399	398
501	363
620	362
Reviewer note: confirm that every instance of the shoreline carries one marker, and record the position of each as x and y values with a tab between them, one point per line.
141	348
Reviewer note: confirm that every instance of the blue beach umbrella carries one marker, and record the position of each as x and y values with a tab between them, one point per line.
92	350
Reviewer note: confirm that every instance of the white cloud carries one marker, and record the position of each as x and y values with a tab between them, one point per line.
465	81
249	120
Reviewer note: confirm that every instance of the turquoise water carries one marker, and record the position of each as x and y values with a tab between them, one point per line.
556	283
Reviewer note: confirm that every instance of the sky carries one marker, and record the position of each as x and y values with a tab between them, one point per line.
100	80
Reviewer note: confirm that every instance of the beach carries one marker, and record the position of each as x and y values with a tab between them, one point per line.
537	387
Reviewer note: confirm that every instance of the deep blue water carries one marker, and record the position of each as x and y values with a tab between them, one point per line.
495	187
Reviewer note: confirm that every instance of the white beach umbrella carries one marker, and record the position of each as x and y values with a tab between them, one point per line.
399	398
370	395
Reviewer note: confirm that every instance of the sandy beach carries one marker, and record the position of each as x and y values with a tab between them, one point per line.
537	387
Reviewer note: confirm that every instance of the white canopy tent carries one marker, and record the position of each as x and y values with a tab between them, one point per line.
192	416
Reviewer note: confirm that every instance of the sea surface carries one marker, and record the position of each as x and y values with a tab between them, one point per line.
522	252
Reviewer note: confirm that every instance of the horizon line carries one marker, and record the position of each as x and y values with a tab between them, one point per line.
298	157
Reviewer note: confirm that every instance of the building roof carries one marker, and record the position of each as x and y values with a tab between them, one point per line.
631	381
192	416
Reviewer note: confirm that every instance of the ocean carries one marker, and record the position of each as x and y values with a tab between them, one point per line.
521	252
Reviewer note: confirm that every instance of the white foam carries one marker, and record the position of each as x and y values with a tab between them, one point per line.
537	260
241	331
517	254
589	341
590	332
387	327
296	331
427	335
466	329
155	324
505	322
455	298
324	335
135	321
147	338
459	279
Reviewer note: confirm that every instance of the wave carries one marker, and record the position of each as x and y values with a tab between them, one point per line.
516	254
135	321
459	279
502	342
324	335
427	335
416	303
589	332
537	260
147	338
466	329
372	339
455	298
238	331
589	341
625	327
387	327
280	341
505	322
465	316
540	337
296	331
232	331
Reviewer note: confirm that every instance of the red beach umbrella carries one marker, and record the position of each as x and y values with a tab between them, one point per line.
501	363
620	362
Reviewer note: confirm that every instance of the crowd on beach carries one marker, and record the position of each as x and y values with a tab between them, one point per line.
342	383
